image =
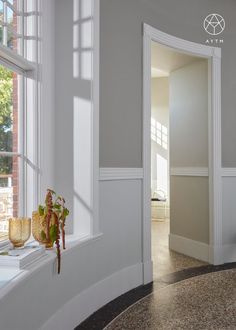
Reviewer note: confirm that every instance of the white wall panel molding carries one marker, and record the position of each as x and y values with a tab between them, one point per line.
229	252
111	174
189	171
90	300
189	247
228	171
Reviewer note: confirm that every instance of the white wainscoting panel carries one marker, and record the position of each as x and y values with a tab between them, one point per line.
229	253
189	171
229	214
189	247
112	173
90	300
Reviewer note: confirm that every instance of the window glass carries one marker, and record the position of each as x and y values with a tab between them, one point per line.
9	146
9	191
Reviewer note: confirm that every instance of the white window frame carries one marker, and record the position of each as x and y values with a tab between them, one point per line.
17	63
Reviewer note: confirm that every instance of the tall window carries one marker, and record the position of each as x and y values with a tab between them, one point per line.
18	109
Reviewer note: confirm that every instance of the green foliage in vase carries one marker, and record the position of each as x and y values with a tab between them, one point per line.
55	214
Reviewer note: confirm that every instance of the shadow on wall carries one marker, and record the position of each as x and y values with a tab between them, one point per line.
74	128
82	115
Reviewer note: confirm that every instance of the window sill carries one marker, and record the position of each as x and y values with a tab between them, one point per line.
4	243
11	277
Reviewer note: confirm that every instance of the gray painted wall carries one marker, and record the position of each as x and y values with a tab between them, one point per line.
121	70
189	208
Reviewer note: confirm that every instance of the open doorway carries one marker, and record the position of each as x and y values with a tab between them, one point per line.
204	244
179	135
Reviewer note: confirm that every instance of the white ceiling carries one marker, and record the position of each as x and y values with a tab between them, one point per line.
166	60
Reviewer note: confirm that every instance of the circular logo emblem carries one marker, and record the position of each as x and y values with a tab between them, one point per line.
214	24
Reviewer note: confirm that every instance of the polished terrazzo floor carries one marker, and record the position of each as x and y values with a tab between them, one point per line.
164	260
203	302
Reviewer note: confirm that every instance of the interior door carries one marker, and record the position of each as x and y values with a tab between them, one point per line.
189	186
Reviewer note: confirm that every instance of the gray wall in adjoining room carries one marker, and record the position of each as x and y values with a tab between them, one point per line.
121	70
189	208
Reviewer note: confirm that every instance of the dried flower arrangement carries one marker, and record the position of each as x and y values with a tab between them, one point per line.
55	214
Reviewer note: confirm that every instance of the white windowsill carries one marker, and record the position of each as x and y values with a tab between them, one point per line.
4	243
10	276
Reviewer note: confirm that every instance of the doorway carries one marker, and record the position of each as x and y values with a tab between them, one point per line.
213	169
179	135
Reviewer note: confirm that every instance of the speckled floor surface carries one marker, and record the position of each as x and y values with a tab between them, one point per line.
164	260
205	302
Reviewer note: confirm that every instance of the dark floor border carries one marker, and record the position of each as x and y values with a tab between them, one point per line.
102	317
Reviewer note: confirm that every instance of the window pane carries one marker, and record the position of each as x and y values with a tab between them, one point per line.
1	32
9	16
11	21
9	82
9	191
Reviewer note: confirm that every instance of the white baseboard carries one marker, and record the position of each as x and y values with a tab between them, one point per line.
189	247
229	253
90	300
147	272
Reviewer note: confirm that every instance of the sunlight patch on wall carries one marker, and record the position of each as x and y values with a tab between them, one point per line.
159	133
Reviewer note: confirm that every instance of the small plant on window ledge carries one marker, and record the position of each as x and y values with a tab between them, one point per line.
49	223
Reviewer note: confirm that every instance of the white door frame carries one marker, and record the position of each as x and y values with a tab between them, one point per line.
213	54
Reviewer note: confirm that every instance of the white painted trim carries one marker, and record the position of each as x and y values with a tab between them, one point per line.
194	249
189	171
14	61
215	189
111	174
214	147
228	171
146	151
179	44
148	271
229	251
90	300
95	92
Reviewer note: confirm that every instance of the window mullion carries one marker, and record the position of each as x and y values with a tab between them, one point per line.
22	148
23	29
5	22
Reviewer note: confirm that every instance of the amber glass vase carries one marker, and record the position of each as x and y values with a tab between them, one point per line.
19	231
39	229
